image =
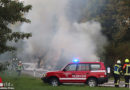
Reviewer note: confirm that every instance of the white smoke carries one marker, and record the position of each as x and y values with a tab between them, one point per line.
57	34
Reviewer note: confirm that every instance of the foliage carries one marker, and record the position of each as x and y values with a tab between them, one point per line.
115	20
4	66
11	12
114	17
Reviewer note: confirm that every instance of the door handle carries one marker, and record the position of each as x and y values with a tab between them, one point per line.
87	73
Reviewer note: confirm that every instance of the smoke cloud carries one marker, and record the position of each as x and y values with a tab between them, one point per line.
58	33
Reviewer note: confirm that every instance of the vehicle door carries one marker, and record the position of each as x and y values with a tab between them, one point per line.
83	70
68	71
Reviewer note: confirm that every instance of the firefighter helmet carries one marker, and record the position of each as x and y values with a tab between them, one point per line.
126	60
20	61
118	62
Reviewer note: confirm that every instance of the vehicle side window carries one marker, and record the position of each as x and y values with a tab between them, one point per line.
71	67
95	66
83	67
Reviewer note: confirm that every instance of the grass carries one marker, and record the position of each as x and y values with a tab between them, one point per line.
26	82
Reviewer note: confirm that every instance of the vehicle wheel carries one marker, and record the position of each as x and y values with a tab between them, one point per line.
54	81
92	82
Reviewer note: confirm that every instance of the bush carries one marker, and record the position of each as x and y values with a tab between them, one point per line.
4	66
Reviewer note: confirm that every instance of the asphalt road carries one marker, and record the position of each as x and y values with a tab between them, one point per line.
110	83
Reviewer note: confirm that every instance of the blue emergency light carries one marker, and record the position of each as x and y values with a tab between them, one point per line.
75	60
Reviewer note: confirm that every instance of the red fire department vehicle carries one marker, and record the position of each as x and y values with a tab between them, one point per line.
1	84
90	73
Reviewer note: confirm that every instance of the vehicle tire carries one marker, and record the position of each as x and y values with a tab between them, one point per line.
92	82
54	82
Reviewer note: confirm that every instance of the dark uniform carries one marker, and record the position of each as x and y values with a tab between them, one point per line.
126	69
117	72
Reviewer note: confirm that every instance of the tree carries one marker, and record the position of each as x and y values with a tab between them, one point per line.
114	17
11	12
4	66
115	20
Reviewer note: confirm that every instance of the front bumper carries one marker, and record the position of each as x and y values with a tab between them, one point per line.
44	79
102	80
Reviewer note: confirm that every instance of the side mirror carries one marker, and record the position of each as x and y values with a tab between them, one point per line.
64	69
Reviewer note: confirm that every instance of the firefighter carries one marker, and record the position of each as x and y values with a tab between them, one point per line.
19	68
126	69
117	73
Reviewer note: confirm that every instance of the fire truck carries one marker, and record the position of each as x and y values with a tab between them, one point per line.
90	73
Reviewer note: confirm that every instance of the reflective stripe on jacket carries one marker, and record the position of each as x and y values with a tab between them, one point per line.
117	69
19	67
127	69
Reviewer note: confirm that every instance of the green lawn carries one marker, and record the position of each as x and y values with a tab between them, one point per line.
26	82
